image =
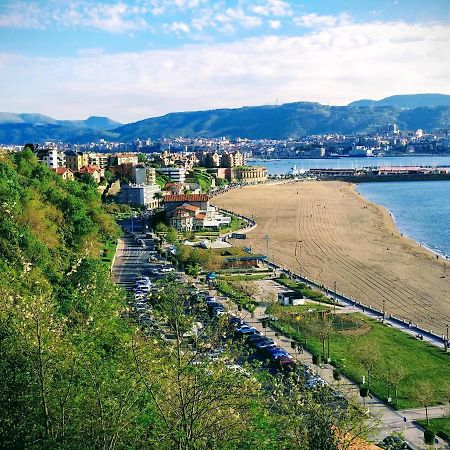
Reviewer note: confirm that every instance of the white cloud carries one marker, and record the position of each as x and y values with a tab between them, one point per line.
272	8
110	17
177	27
334	66
314	20
238	16
274	24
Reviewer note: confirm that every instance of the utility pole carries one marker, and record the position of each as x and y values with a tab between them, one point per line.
384	309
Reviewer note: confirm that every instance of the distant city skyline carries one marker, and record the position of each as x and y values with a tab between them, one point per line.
134	59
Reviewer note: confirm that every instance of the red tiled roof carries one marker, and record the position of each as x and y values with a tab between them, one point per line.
188	207
186	198
201	216
90	169
61	170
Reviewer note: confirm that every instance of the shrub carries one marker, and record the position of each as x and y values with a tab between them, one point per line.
429	437
336	375
363	391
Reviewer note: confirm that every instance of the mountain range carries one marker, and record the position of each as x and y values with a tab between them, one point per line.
290	120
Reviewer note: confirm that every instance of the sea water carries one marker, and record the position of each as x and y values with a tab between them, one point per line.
284	166
421	209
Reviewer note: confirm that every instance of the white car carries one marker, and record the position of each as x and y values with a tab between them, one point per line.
167	269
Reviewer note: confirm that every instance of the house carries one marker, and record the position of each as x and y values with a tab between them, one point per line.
118	159
174	188
290	298
64	173
142	174
76	160
181	220
94	171
171	202
176	174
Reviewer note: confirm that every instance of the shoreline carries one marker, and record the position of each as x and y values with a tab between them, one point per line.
424	245
330	232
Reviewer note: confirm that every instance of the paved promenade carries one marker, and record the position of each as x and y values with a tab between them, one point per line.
390	420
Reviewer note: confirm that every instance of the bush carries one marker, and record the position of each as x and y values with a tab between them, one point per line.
316	360
429	437
363	391
336	375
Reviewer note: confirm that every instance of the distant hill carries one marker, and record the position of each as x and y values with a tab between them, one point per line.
407	101
22	128
286	121
290	120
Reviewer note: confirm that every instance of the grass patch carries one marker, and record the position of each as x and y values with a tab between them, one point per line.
244	277
440	427
278	310
305	290
235	224
419	360
235	295
108	251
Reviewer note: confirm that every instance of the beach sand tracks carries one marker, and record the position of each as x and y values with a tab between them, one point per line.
347	240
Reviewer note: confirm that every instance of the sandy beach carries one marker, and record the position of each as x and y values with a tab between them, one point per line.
330	233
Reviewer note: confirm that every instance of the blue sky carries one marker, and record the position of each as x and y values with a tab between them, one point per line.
132	59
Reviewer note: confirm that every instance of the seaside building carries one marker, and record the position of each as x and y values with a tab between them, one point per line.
249	174
147	195
118	159
99	159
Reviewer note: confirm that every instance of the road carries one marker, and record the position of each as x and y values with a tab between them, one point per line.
132	260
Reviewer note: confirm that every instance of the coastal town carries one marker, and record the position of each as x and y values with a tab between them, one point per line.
225	225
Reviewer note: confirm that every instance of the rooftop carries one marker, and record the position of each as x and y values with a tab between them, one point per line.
186	198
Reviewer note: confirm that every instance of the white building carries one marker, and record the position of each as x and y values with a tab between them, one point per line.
140	194
176	174
52	158
143	175
99	159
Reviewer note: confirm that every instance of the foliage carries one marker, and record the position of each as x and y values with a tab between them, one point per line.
162	179
202	178
403	361
205	258
440	426
78	372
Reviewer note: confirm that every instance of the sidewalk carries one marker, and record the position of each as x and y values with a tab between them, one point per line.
434	412
391	421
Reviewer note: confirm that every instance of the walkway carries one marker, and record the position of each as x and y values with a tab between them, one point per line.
390	421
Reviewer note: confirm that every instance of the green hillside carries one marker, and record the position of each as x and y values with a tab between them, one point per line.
78	368
291	120
286	121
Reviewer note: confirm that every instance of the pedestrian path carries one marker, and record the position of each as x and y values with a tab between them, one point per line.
390	421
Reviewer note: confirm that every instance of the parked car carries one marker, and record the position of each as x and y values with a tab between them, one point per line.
246	330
